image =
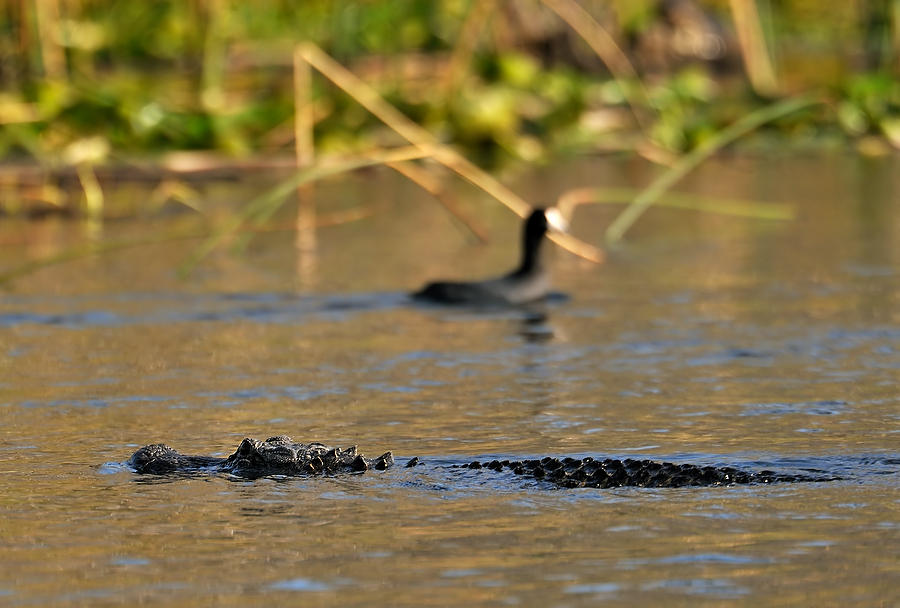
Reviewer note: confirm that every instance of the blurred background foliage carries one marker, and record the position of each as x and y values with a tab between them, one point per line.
503	80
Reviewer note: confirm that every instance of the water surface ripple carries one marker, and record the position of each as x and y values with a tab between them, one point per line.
706	340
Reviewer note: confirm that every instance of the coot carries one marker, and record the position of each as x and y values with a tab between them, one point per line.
527	283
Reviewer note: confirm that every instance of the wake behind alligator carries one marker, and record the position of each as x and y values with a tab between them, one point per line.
282	456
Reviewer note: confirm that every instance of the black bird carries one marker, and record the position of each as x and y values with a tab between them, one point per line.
527	283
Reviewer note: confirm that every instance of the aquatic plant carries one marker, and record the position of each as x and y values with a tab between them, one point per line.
480	84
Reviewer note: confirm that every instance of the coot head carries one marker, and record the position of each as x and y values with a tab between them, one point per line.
543	219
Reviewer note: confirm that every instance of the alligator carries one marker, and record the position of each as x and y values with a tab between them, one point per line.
282	456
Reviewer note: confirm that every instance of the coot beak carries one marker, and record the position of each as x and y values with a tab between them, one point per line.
556	220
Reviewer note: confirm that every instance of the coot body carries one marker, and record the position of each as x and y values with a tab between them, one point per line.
527	283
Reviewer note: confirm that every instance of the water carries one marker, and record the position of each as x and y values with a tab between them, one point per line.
707	340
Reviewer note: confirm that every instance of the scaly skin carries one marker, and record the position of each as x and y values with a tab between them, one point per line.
253	458
609	473
282	456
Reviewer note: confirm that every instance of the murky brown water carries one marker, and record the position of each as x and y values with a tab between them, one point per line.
706	339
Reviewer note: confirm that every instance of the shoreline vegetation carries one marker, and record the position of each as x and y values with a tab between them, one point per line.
175	94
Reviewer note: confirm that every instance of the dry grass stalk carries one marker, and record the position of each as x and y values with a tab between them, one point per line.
304	151
52	55
176	190
571	199
303	112
479	15
261	208
214	58
435	187
420	137
756	53
104	247
93	193
607	50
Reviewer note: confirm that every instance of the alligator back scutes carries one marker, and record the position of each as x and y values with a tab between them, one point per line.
609	473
